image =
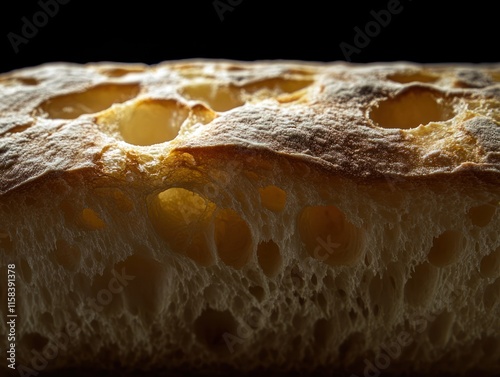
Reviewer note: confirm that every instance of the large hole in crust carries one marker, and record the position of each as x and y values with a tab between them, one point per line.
446	248
276	86
232	238
146	122
182	218
217	97
93	100
121	71
411	108
283	89
329	237
224	97
412	76
269	257
19	80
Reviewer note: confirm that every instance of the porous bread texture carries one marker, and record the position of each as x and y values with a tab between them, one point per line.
276	216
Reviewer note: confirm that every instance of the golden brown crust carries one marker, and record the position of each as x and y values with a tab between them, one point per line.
359	121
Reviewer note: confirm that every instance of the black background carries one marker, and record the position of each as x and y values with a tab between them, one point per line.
153	31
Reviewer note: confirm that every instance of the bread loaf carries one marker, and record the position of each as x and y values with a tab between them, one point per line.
217	217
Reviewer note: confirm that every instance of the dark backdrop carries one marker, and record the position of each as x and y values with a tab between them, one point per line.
148	31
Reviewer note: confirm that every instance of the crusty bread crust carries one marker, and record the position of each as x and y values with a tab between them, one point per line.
321	114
